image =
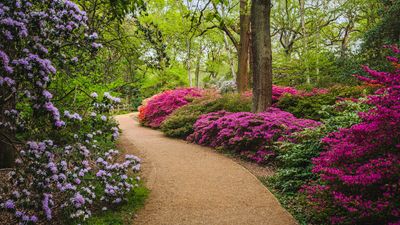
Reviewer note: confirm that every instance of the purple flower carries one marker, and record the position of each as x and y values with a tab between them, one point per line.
9	204
78	200
34	219
93	36
94	95
47	95
46	207
101	173
96	45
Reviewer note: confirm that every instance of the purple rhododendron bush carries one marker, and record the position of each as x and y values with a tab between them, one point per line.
65	163
160	106
246	133
360	170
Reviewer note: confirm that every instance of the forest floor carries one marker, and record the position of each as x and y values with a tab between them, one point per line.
190	184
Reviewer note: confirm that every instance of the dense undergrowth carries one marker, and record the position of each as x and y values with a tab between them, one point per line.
335	150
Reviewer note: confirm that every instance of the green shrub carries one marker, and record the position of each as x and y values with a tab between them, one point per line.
294	160
311	107
180	123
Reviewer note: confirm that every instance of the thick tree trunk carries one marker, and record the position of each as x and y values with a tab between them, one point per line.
262	54
242	79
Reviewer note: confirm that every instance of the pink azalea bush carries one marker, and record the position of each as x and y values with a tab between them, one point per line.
162	105
279	91
246	133
360	170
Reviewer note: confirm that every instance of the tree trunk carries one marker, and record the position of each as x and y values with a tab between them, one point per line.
242	79
7	151
346	36
197	71
231	62
303	30
262	54
188	62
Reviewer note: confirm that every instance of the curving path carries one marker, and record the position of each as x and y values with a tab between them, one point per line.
191	184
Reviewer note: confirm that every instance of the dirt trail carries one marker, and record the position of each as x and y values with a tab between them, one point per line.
191	184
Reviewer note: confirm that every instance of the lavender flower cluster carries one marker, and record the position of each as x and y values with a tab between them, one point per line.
36	23
63	177
57	174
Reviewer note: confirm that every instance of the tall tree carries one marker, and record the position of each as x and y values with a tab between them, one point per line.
262	54
242	78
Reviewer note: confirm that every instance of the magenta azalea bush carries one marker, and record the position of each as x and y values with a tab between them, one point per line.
360	170
246	133
156	110
279	91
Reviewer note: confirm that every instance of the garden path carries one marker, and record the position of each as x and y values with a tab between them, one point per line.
191	184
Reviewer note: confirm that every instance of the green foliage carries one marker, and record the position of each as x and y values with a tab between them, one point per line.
294	158
123	214
180	123
387	31
311	107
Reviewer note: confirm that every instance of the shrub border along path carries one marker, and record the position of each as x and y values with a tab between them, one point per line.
191	184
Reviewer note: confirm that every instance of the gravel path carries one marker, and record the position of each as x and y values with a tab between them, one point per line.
191	184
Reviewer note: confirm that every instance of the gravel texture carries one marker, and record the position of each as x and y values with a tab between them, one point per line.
191	184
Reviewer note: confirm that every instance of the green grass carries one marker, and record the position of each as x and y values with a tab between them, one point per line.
123	214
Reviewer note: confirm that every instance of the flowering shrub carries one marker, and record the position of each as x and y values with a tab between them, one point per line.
63	163
359	173
279	91
160	106
69	179
294	156
247	133
180	122
227	86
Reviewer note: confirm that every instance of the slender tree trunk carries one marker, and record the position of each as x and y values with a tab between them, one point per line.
303	30
242	79
188	62
231	63
346	36
262	54
188	47
250	59
197	71
7	151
